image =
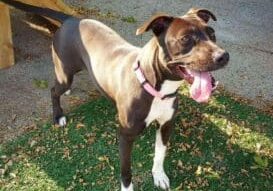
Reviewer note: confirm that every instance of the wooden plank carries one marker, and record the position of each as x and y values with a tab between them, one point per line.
57	5
6	48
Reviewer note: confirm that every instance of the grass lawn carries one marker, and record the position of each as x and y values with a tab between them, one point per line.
225	145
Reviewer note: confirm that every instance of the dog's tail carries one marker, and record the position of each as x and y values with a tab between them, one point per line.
55	15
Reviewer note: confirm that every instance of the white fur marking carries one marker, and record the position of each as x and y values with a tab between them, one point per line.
68	92
160	178
62	121
129	188
162	110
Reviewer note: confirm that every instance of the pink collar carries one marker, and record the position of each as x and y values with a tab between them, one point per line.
146	85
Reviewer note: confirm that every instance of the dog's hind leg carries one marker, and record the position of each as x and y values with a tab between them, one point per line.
56	92
64	79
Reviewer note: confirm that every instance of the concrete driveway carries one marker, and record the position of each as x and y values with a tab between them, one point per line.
244	28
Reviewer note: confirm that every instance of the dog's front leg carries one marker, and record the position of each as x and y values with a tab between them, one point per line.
125	150
162	137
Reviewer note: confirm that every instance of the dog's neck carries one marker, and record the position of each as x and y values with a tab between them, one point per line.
153	63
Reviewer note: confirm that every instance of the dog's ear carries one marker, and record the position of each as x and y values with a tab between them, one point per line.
157	23
203	14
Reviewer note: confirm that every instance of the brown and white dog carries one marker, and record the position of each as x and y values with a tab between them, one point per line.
142	82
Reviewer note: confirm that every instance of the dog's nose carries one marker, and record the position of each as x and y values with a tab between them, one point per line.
222	58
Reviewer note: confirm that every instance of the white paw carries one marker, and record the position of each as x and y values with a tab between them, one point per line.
62	121
129	188
68	92
161	180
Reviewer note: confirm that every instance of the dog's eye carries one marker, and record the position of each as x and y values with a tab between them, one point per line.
186	43
186	40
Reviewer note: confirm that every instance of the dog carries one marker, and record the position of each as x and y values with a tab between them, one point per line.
142	82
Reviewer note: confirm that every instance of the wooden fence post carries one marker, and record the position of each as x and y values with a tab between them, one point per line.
6	48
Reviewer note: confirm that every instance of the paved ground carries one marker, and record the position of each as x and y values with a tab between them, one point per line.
244	28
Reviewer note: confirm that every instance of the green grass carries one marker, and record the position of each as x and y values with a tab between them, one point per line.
224	145
129	19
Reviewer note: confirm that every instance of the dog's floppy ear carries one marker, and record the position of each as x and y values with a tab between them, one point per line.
203	14
158	23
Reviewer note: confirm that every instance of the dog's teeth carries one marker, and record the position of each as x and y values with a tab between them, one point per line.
215	85
62	121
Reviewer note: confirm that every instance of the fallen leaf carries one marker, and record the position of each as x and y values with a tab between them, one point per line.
229	129
258	147
244	171
80	125
199	170
66	153
103	158
2	171
13	117
32	143
180	164
12	175
3	157
9	163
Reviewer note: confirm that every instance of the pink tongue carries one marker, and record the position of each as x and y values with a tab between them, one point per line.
201	87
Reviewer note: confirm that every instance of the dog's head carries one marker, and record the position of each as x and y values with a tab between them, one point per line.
189	47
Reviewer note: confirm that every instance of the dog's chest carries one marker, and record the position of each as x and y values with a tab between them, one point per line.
163	110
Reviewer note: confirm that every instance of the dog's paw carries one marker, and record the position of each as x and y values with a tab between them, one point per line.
161	180
68	92
129	188
62	121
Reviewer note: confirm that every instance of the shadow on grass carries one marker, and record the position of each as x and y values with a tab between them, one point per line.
84	156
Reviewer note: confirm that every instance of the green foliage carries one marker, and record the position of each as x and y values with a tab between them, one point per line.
261	162
129	19
41	84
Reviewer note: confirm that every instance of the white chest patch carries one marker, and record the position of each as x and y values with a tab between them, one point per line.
162	110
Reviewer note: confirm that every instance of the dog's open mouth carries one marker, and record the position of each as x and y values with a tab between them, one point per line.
202	83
